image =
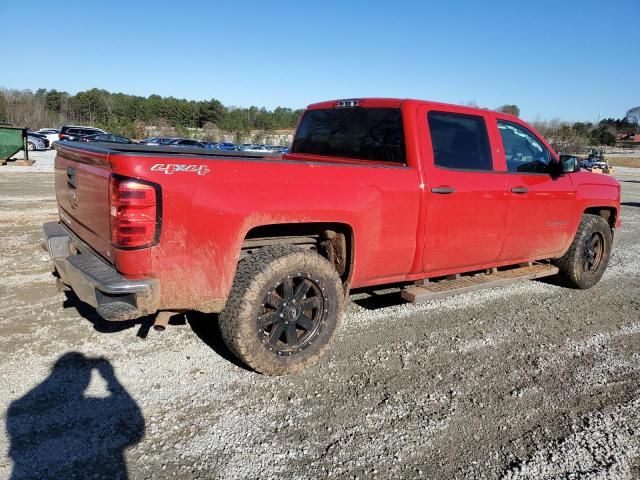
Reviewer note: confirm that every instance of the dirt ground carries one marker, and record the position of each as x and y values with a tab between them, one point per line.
621	161
527	381
623	158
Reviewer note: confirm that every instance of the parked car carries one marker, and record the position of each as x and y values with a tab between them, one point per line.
185	142
257	149
227	146
74	133
254	147
593	163
437	199
40	136
596	154
106	137
157	141
36	142
51	134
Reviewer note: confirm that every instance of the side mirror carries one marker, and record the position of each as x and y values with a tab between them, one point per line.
569	163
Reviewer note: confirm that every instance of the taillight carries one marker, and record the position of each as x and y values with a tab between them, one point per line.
134	213
61	136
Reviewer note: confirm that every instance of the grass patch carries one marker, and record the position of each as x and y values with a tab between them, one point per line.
624	161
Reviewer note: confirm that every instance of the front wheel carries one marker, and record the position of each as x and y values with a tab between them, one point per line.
284	309
586	260
31	146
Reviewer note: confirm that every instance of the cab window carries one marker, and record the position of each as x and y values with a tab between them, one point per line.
460	141
360	133
524	152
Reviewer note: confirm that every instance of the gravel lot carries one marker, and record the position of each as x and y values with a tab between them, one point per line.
526	381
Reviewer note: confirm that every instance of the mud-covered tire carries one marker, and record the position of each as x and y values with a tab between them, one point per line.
583	265
261	279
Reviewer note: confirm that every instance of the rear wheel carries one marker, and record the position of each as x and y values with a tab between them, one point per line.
284	309
586	260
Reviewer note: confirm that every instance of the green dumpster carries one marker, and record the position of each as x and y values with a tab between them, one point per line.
12	140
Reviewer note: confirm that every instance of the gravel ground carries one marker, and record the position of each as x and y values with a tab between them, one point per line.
527	381
43	159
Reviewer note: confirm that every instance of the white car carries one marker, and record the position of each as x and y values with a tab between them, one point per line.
593	163
36	143
51	134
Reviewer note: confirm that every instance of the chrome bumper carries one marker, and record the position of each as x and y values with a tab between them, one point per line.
95	282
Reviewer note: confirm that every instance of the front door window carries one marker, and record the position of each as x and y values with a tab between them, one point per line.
524	152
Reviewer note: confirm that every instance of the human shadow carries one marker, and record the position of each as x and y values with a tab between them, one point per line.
204	325
56	431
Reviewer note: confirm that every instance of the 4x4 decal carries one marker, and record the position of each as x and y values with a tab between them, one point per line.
171	168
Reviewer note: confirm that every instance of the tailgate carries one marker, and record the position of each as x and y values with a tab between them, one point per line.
82	192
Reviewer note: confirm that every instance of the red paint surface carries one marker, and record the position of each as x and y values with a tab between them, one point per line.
401	230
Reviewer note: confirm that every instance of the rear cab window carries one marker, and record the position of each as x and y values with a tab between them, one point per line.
361	133
460	141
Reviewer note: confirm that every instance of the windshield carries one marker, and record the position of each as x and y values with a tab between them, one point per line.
359	133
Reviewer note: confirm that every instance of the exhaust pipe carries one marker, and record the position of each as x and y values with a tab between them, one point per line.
162	320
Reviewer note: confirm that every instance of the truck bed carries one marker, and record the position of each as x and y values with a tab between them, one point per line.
105	147
210	201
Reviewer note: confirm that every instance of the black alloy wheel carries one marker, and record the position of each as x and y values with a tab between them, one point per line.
291	315
284	309
584	263
593	252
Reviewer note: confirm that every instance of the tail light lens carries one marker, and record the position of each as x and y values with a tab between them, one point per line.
135	213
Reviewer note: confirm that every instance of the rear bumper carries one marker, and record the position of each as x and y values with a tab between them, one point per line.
95	282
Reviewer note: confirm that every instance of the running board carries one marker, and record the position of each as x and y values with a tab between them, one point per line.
454	284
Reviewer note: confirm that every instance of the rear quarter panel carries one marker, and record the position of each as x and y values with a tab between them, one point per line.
207	215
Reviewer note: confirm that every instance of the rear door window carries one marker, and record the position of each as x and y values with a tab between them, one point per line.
460	141
359	133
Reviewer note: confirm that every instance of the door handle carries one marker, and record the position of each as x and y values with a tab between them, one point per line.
520	190
444	190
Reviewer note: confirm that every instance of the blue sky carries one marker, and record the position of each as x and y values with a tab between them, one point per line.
574	60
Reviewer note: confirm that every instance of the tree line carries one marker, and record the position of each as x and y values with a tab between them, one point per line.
574	137
129	114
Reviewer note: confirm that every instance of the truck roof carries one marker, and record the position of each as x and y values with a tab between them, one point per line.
382	102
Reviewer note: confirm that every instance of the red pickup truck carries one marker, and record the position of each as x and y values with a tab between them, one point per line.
435	198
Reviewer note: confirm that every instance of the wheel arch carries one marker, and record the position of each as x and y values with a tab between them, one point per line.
332	240
610	214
